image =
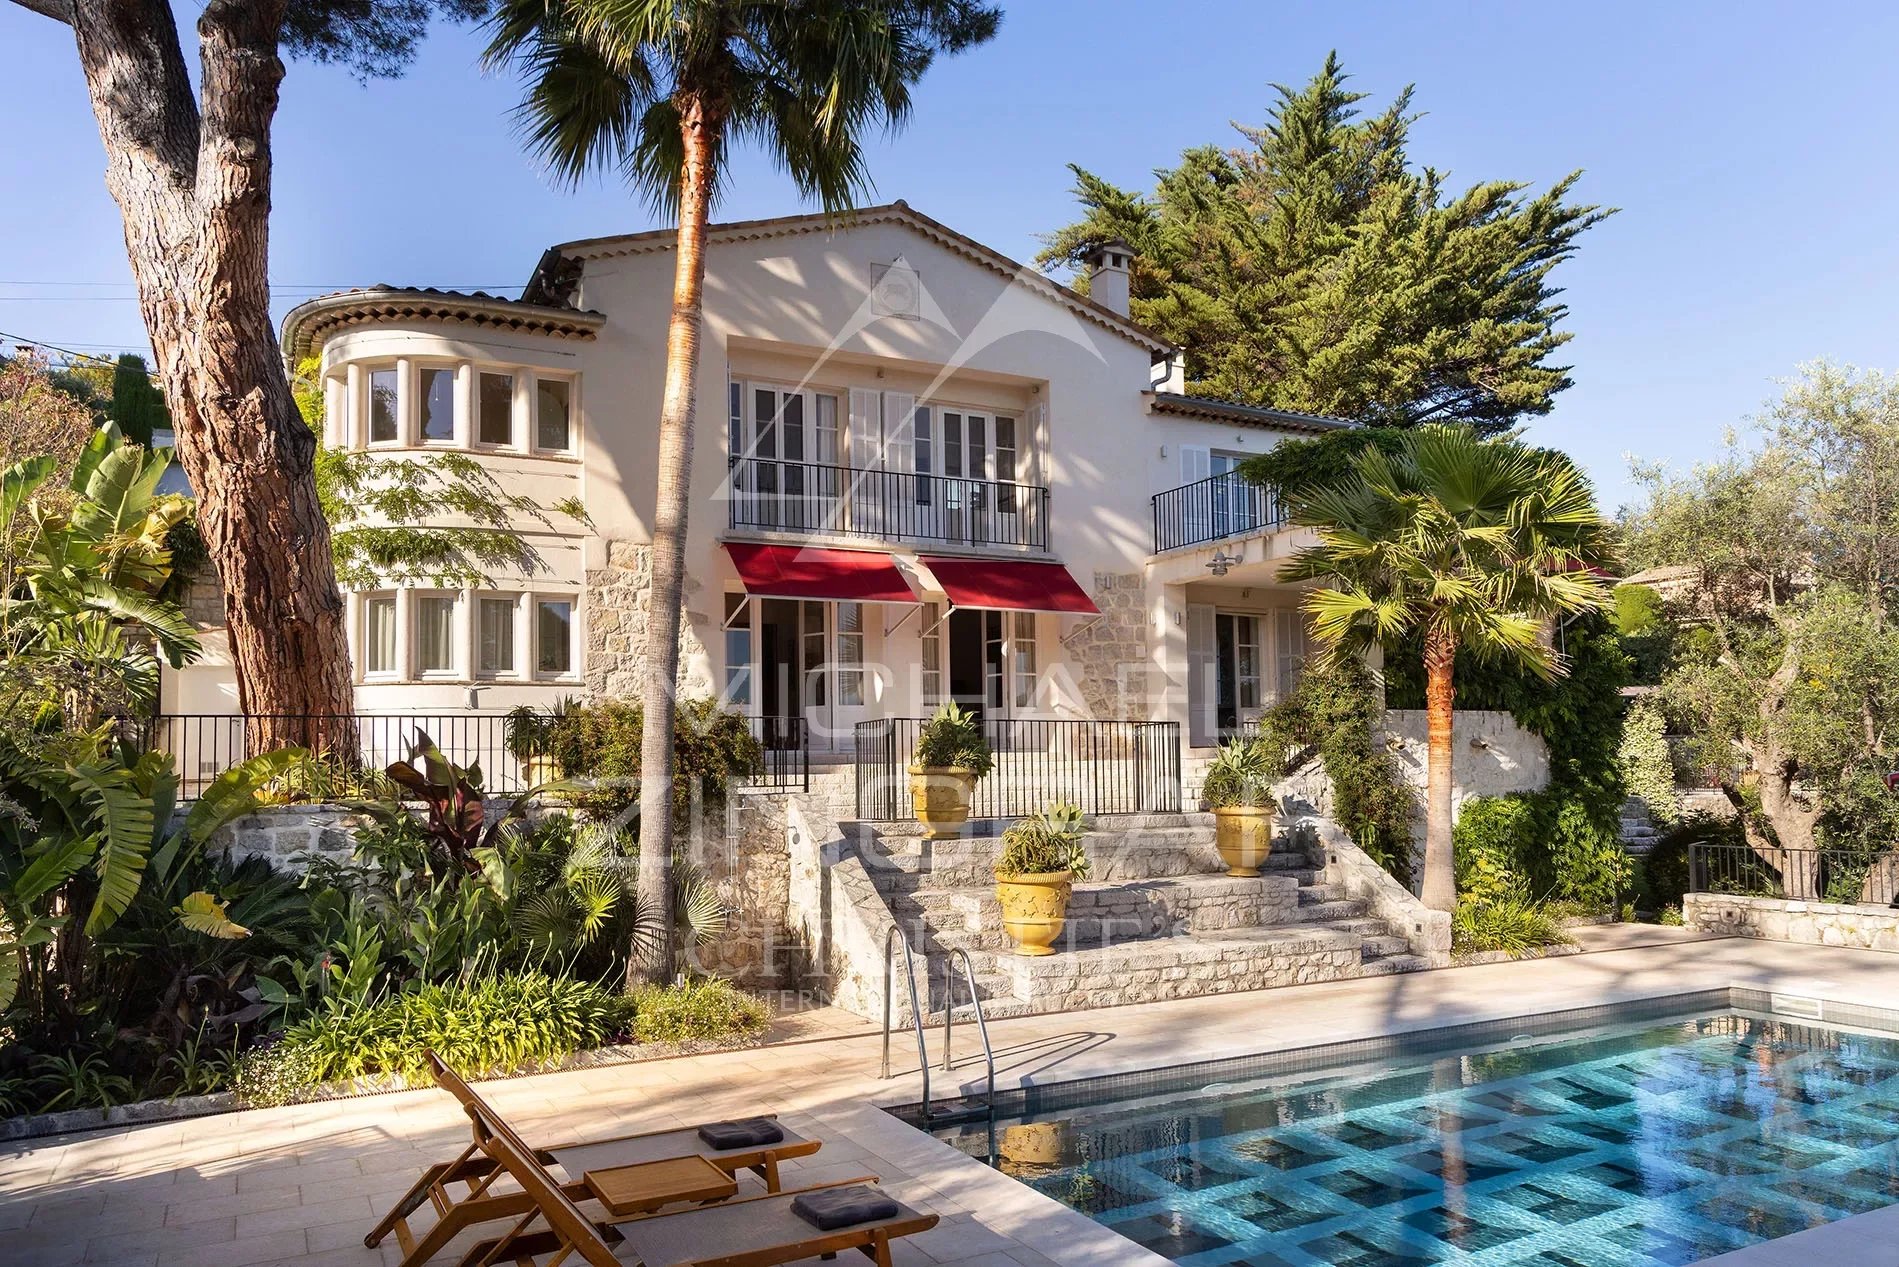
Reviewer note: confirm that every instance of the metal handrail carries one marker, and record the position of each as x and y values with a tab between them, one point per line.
895	935
975	1001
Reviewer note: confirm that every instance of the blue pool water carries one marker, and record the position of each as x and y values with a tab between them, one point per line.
1657	1142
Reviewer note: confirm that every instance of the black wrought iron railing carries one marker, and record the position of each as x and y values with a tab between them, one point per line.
1213	509
809	497
1105	767
204	745
1809	875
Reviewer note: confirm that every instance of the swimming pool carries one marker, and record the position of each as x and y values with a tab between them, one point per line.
1661	1133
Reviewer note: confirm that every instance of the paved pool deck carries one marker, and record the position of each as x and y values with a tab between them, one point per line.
301	1184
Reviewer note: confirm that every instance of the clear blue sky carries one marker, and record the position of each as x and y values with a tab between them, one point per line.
1750	146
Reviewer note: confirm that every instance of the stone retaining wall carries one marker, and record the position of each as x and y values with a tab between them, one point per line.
1777	919
286	835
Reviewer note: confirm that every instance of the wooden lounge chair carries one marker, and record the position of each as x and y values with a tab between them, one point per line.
761	1231
477	1173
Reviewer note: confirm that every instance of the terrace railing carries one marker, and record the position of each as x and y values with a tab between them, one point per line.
809	497
1105	767
1214	509
1811	875
204	745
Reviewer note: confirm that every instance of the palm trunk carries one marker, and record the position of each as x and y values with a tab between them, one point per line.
659	698
194	196
1440	876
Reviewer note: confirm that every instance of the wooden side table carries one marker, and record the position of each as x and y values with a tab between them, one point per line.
649	1185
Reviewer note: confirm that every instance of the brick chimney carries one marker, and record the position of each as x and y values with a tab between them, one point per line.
1108	275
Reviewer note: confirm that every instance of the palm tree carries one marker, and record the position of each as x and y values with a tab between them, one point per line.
657	89
1465	544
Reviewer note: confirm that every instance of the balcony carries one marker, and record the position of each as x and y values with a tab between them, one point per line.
771	495
1214	509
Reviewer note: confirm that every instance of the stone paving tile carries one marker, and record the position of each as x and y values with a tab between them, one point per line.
301	1184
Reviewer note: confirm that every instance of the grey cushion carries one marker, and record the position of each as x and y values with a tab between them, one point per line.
745	1132
828	1209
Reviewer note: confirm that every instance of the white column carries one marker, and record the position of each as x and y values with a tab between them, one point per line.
355	412
406	386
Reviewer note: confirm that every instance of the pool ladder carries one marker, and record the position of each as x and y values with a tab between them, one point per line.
894	939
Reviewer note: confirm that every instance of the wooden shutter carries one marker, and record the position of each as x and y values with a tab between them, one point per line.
1203	691
899	430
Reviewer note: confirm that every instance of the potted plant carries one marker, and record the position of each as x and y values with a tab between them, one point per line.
1239	789
950	755
531	735
1041	859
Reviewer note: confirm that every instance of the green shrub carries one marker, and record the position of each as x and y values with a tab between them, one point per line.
1510	924
601	743
953	739
1662	878
706	1010
1588	864
1045	842
478	1025
1489	848
1648	765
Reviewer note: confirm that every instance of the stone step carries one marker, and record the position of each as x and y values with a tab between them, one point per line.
1390	965
1331	912
967	863
1383	946
1106	914
895	829
1314	894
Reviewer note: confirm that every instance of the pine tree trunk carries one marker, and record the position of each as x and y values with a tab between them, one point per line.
677	409
1439	890
194	196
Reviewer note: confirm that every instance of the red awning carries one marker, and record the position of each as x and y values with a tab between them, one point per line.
856	576
1009	585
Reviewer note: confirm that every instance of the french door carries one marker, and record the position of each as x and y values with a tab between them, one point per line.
813	664
975	460
786	444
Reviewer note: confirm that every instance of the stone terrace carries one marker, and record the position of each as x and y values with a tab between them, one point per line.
299	1185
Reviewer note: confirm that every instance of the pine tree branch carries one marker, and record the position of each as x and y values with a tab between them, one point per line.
58	10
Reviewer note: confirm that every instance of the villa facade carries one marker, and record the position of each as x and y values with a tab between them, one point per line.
922	472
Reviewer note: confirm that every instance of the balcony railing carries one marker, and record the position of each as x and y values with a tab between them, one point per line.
1213	509
1807	875
1105	767
809	497
205	745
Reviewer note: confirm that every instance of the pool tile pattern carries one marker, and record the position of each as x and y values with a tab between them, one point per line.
1648	1144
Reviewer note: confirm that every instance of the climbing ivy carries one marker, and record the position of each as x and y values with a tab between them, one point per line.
1335	713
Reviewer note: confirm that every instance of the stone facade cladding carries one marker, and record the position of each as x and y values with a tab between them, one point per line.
1111	653
618	599
1777	919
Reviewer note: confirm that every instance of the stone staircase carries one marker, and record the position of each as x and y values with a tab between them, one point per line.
1157	918
1637	828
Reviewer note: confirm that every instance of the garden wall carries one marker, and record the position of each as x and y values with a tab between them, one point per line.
1777	919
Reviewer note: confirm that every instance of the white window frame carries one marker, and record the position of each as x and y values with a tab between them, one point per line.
1024	676
575	641
393	671
518	670
457	618
514	375
457	421
363	436
532	440
738	687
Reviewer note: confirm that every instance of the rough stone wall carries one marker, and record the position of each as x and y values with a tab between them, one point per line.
284	835
1490	756
618	598
1777	919
204	599
1111	655
749	868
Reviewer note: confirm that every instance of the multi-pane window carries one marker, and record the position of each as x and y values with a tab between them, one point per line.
924	455
553	635
382	406
850	653
1246	662
435	403
1023	664
932	658
738	651
496	405
553	422
494	635
811	631
435	633
1005	464
379	634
